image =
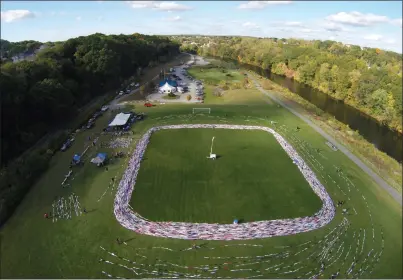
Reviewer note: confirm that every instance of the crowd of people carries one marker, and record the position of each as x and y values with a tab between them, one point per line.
261	229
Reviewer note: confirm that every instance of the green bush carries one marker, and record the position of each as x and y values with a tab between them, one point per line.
17	178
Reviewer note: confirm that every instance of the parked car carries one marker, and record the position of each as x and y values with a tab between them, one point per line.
90	125
66	145
148	104
104	108
140	117
137	85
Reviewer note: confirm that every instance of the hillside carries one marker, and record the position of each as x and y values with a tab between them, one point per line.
40	95
365	78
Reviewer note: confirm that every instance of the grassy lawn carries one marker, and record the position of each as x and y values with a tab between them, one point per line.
34	247
254	179
214	76
236	96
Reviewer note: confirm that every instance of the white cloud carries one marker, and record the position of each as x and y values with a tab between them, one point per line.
177	18
171	6
140	4
390	41
258	5
333	27
251	25
373	37
158	5
293	23
357	18
397	22
14	15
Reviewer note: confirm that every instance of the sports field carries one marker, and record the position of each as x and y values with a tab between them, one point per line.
366	242
253	179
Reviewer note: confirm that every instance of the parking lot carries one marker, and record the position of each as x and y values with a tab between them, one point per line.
194	88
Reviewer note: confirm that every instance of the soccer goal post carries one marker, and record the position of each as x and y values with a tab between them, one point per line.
201	110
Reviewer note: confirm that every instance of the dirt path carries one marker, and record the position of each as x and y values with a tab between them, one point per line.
395	194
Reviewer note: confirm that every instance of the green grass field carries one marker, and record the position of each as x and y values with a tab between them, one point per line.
253	179
34	247
215	75
250	96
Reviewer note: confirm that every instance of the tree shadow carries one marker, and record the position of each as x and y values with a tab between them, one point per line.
130	239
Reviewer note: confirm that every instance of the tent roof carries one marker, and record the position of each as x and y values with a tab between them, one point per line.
167	86
120	119
100	158
170	82
101	155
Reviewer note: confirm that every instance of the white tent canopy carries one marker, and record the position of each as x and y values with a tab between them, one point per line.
167	88
120	119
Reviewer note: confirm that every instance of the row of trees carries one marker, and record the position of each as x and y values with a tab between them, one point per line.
366	78
45	94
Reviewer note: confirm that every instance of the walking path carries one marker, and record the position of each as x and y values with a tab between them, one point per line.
395	194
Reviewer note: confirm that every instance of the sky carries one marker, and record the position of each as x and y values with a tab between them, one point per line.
368	24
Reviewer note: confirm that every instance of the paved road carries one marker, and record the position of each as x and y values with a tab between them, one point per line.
395	194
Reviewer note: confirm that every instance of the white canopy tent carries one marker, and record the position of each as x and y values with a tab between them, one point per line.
167	88
120	119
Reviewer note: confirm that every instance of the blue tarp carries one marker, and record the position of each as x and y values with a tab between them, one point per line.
102	156
235	221
76	158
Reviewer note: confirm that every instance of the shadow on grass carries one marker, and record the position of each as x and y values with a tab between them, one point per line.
90	211
130	239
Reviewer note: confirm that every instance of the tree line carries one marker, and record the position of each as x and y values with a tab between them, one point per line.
368	79
45	94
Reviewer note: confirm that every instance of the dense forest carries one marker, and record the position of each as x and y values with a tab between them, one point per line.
10	49
41	94
45	94
365	78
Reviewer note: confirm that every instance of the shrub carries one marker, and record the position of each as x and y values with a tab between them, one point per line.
218	92
188	97
224	85
236	85
17	178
